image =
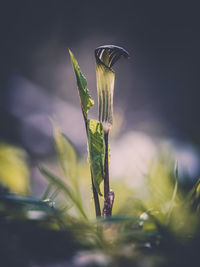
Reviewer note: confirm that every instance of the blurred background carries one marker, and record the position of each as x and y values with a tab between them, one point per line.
156	101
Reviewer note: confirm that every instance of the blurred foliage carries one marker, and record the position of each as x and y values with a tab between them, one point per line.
159	227
152	230
32	231
162	228
66	153
14	173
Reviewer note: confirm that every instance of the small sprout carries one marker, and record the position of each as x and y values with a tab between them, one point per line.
50	202
106	56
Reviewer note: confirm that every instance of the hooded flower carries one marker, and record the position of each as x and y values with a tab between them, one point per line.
106	56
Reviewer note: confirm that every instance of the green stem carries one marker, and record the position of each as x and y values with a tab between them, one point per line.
96	199
106	168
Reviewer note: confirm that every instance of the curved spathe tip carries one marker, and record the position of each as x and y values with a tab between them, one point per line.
108	55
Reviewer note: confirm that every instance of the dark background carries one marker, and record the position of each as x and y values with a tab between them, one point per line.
159	84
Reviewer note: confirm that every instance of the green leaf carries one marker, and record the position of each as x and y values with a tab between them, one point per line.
96	147
194	196
47	191
64	188
14	172
85	98
66	152
119	219
28	202
172	202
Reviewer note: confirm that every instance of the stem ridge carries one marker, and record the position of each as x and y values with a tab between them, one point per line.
108	193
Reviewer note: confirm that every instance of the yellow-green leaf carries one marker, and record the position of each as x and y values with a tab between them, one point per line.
85	98
14	173
64	188
96	148
65	151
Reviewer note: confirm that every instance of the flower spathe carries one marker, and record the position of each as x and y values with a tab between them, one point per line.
106	56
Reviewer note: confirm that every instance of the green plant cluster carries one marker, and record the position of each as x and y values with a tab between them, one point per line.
161	229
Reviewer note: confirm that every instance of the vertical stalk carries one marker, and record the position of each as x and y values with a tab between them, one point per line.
106	56
108	194
96	199
106	168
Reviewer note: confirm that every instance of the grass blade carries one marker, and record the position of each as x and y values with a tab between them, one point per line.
47	191
64	188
